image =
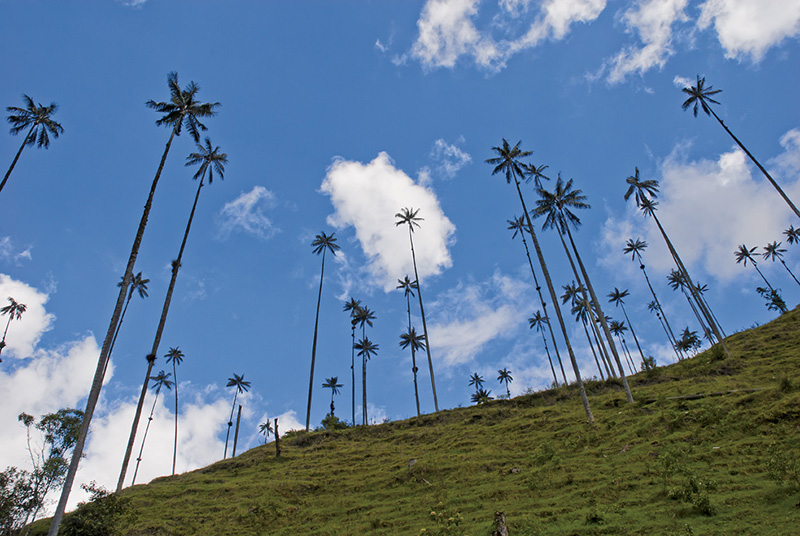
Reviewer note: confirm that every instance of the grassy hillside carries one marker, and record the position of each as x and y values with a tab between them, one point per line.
671	463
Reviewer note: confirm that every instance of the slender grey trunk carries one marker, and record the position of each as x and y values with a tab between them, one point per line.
175	443
236	433
547	351
667	328
97	382
144	437
353	366
230	423
16	157
591	346
413	355
632	332
314	345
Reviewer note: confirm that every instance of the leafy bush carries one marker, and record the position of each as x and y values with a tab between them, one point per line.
98	517
447	522
782	466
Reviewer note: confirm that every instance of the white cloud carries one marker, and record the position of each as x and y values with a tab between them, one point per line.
9	253
682	82
23	334
750	27
787	164
367	196
247	214
652	20
450	157
469	316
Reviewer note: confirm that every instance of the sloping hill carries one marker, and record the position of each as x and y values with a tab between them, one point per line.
702	451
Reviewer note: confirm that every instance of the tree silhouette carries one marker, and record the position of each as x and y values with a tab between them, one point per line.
505	377
538	321
616	297
138	284
509	162
774	251
38	118
265	428
333	385
416	342
366	349
175	356
476	380
240	386
322	243
14	310
743	255
159	381
352	307
700	98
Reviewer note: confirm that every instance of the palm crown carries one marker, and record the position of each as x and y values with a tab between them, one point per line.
556	205
162	379
743	254
38	117
408	216
183	110
634	247
324	242
238	382
332	384
699	96
507	161
210	159
174	356
407	285
411	337
14	309
640	189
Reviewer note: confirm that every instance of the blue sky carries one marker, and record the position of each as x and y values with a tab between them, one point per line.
335	115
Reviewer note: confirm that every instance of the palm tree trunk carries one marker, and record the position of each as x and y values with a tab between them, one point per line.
119	326
554	298
314	344
790	272
97	382
424	324
230	423
706	331
762	275
16	157
692	288
602	316
598	340
668	329
414	370
757	163
236	433
3	342
364	390
547	351
151	357
632	332
544	309
175	443
144	437
353	367
628	356
591	346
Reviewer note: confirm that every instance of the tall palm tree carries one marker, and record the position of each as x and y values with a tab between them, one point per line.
616	298
160	380
352	307
538	321
334	385
138	283
557	207
39	119
476	380
14	310
635	248
408	216
505	377
240	386
743	255
266	429
689	341
518	226
700	97
677	281
774	251
792	235
417	342
322	244
654	307
175	356
366	349
619	328
509	162
209	159
581	310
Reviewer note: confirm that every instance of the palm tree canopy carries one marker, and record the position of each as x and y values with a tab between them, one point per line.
332	384
535	173
537	321
504	376
517	225
556	205
353	305
634	247
407	285
364	316
238	382
210	159
162	380
699	96
773	251
14	309
743	254
648	206
322	242
653	306
38	117
476	380
792	235
616	296
617	327
183	110
640	189
138	284
408	216
676	280
265	428
481	396
507	161
174	355
366	348
411	337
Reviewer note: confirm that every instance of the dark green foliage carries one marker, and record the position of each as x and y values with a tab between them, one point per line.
783	465
100	516
16	497
332	422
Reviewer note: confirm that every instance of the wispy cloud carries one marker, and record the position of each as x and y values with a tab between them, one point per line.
449	158
247	214
10	253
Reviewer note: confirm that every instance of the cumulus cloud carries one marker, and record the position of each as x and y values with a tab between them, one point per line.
449	157
23	334
247	214
750	27
366	197
471	315
652	20
10	253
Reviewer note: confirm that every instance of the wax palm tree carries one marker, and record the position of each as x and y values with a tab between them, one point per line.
635	248
416	342
175	356
39	119
352	307
481	396
556	207
743	254
159	381
518	226
774	251
209	159
538	321
792	235
14	310
509	162
138	284
689	341
334	385
616	298
240	386
366	349
476	380
581	311
618	328
677	281
408	216
322	244
774	300
505	377
265	428
700	98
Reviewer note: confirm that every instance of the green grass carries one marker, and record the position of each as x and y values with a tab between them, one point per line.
659	466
